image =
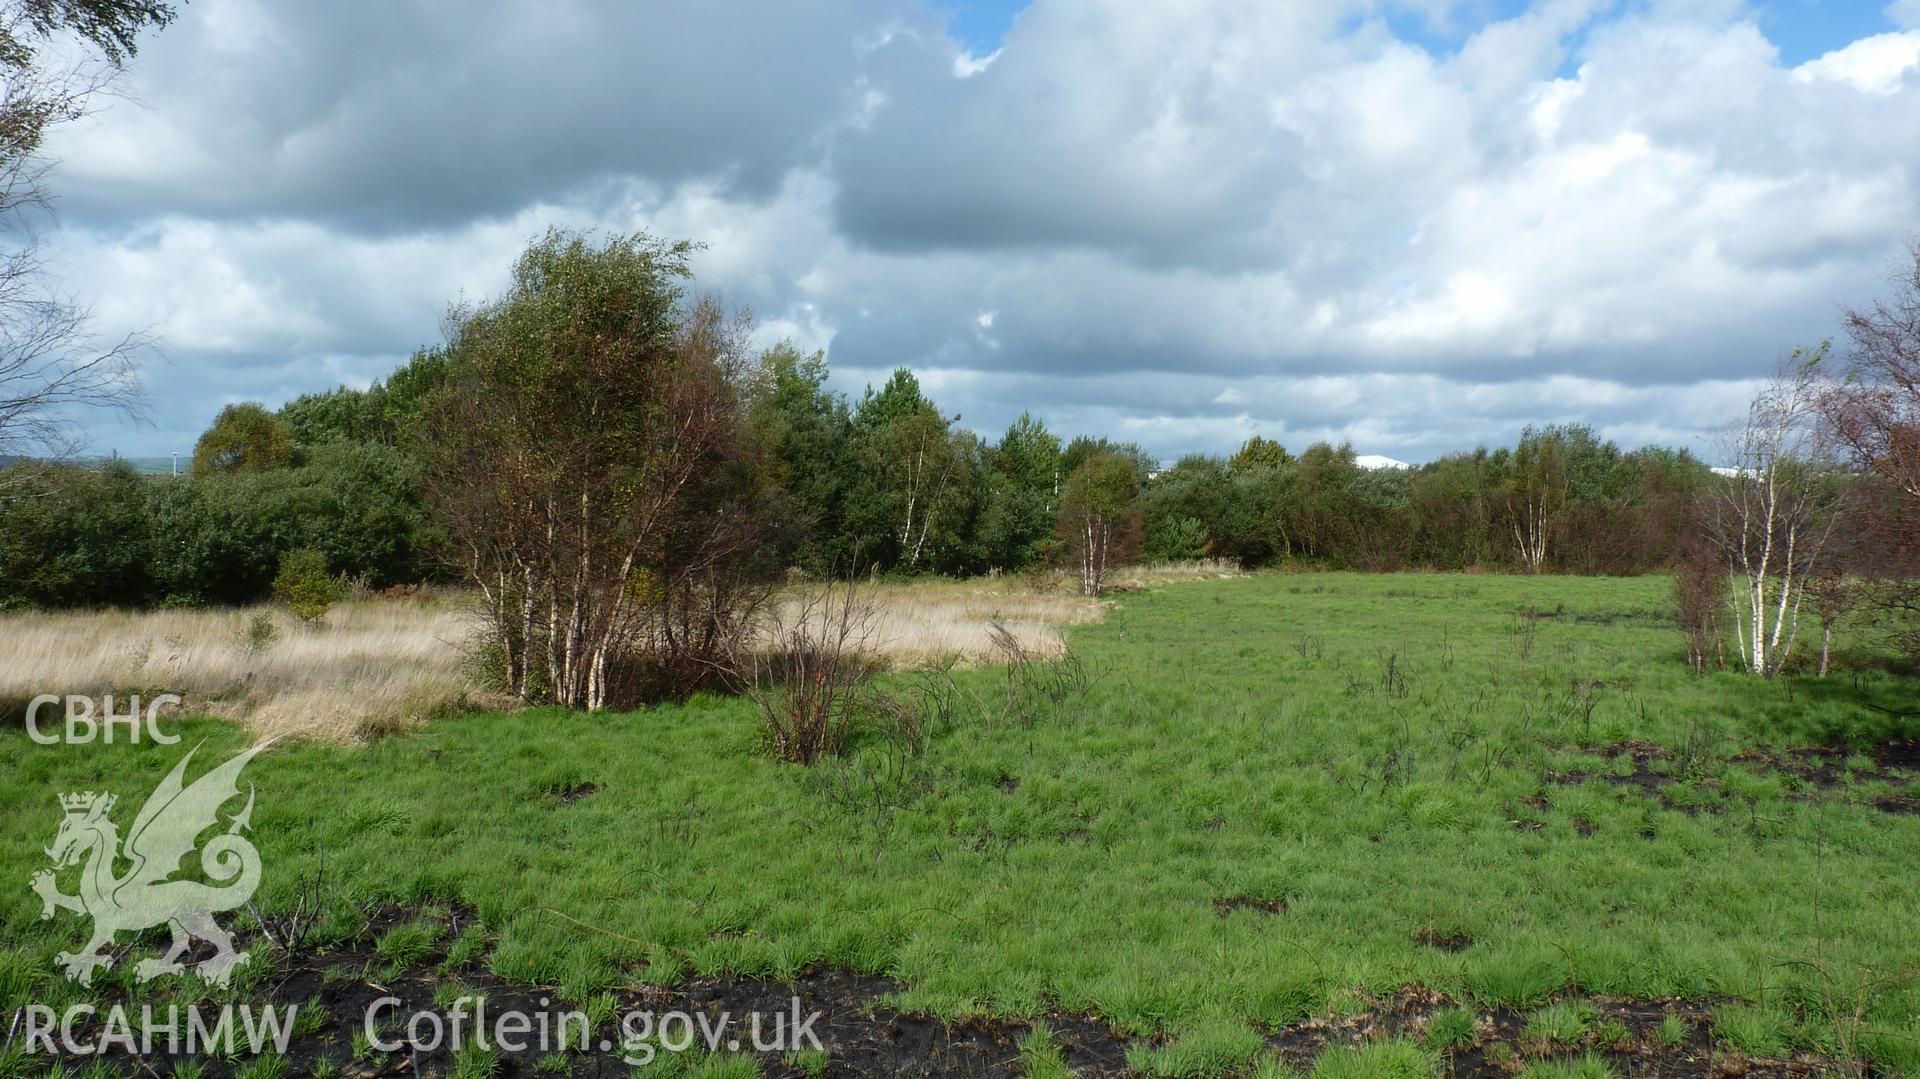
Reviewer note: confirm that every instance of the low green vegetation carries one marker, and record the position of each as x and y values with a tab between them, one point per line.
304	586
1390	1059
1270	799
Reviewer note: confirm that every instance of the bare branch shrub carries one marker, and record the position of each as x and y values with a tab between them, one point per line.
1699	603
1873	412
808	675
51	366
1032	677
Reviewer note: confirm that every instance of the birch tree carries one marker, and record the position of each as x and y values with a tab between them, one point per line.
1097	519
588	456
1770	515
1537	495
913	469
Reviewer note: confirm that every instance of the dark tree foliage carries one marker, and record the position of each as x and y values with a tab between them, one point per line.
802	431
1018	497
909	490
1186	509
387	412
111	26
76	537
1257	453
1083	447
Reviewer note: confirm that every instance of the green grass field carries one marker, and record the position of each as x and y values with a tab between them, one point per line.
1277	798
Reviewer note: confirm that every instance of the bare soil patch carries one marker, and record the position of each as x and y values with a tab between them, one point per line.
1823	770
1500	1048
864	1034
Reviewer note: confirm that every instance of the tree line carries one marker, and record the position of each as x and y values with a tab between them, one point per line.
888	482
600	454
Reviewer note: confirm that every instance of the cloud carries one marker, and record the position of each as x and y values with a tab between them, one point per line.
1186	223
1874	65
370	114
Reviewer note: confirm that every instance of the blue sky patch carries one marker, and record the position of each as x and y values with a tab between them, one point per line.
981	25
1803	29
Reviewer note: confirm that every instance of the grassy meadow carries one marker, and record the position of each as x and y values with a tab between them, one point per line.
1249	808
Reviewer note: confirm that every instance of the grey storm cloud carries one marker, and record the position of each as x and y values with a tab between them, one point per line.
1178	223
382	115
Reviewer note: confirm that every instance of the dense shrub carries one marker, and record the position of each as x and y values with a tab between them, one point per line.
219	539
387	412
304	586
76	537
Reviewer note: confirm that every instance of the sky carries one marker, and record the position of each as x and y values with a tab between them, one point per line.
1416	226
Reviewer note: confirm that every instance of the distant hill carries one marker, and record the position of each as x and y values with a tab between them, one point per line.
146	466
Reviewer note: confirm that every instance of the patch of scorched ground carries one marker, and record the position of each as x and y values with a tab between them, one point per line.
864	1034
1818	770
1500	1048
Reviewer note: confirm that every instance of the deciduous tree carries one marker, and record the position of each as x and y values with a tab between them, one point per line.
1770	518
1097	519
243	438
911	467
589	456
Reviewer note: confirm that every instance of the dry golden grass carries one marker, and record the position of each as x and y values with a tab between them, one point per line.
1135	578
933	621
939	619
377	665
364	667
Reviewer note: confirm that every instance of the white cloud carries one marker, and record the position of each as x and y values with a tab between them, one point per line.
1182	224
966	65
1874	65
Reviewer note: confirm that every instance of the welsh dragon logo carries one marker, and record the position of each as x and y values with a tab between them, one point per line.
166	830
